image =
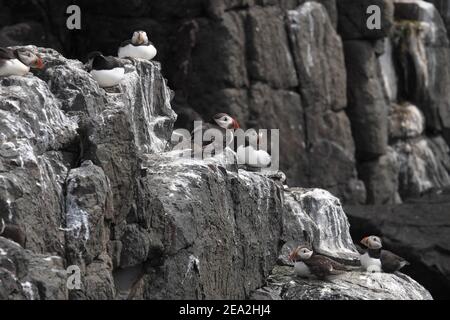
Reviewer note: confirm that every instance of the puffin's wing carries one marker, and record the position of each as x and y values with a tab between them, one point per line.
203	128
320	266
113	62
360	249
125	43
105	63
391	262
336	265
6	54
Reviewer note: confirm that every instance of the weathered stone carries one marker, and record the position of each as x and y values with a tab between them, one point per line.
367	107
88	211
405	121
421	48
322	74
283	285
270	59
420	169
29	276
381	178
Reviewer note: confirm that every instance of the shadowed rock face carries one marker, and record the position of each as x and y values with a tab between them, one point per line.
92	185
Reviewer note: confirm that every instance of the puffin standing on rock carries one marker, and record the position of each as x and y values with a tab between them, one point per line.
222	125
374	259
137	47
107	71
18	62
307	264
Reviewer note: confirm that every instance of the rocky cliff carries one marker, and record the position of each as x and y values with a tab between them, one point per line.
87	181
340	93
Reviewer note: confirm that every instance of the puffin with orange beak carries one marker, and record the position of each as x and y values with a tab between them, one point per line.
215	135
17	62
375	259
137	47
308	264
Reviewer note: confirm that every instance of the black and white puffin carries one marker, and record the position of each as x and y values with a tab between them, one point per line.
18	62
215	135
375	259
137	47
307	264
249	153
107	71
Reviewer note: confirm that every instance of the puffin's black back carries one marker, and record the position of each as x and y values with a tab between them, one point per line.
105	63
6	54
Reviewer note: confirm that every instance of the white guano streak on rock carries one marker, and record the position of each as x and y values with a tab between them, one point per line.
193	262
27	288
8	199
77	220
331	221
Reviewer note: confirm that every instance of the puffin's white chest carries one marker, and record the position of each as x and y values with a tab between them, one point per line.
142	52
255	158
302	270
370	264
108	78
14	67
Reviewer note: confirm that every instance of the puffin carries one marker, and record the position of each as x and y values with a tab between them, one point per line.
222	125
17	62
375	259
137	47
308	264
249	154
107	71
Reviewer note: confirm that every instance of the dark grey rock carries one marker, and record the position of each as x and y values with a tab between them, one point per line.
367	107
381	178
421	48
29	276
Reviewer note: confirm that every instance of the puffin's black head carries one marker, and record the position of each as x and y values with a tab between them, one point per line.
29	58
91	58
301	253
93	55
372	242
225	121
139	38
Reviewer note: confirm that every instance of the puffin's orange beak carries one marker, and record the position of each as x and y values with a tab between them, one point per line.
365	241
39	63
292	255
236	124
141	38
